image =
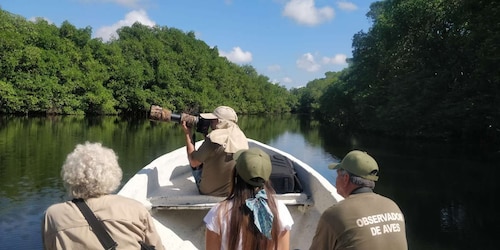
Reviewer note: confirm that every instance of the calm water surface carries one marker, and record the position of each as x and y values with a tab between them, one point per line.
446	191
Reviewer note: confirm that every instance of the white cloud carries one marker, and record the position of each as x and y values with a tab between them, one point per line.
338	59
274	81
347	6
237	55
287	80
140	16
197	34
308	63
36	19
304	12
283	80
274	68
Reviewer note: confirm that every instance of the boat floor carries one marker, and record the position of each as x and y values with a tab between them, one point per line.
176	204
190	228
181	193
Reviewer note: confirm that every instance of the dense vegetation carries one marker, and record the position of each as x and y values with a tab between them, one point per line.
425	68
62	70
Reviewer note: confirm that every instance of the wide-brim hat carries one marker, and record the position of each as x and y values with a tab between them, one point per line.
221	112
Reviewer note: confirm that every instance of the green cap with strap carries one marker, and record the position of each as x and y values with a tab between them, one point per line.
358	163
253	166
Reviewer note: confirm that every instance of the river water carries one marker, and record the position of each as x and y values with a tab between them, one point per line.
446	191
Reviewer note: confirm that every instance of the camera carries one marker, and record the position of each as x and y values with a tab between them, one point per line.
158	113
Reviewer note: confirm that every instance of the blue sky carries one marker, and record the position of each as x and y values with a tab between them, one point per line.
290	41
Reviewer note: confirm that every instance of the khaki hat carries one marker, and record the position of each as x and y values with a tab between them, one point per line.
221	112
358	163
252	163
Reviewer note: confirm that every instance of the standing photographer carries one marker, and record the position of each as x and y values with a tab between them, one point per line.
212	164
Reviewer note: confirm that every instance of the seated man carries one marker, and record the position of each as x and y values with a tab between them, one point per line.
212	164
364	219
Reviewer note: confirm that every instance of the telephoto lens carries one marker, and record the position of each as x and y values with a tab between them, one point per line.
158	113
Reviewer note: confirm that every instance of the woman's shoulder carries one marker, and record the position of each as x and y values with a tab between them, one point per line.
122	200
284	215
59	208
222	206
118	206
281	205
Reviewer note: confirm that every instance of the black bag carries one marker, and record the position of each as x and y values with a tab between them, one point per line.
283	176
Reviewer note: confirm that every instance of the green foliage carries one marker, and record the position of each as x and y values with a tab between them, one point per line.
62	70
309	97
424	68
8	98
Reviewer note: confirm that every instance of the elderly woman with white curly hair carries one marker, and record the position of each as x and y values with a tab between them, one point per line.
91	173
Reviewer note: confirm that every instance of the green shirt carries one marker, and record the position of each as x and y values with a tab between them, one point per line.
361	221
217	170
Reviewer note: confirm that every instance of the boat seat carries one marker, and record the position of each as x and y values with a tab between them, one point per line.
207	201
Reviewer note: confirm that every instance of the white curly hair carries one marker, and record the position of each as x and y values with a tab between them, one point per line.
91	170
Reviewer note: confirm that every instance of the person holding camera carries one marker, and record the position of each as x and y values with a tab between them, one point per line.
91	174
212	163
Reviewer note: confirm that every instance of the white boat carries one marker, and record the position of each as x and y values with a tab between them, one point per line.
167	187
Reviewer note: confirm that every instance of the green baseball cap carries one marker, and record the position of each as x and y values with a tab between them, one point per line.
253	163
358	163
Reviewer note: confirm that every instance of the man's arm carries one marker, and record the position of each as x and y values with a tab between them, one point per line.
324	237
189	146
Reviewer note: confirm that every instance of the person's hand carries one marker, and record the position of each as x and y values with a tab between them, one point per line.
185	128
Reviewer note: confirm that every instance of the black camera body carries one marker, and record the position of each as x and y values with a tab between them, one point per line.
202	125
160	114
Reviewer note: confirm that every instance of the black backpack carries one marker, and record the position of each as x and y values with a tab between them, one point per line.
283	176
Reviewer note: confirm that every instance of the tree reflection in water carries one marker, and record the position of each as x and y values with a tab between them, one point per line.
453	217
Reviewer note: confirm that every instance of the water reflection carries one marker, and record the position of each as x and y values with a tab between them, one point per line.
298	146
20	216
447	192
453	218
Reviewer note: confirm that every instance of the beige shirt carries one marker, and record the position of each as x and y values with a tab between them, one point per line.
126	220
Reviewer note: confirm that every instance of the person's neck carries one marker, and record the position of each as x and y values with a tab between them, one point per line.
359	190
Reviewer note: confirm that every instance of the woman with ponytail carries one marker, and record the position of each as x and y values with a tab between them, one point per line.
250	217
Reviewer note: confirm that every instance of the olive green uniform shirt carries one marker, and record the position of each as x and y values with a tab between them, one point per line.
360	222
126	220
217	170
